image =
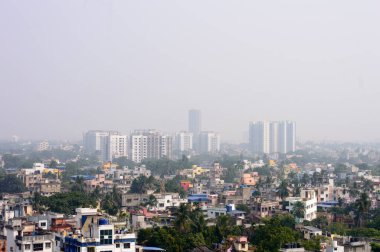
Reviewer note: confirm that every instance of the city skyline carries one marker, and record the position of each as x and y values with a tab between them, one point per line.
136	126
80	65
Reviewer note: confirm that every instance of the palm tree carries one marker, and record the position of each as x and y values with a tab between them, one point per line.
362	207
117	196
298	210
224	223
314	178
367	186
335	211
305	179
198	221
183	221
268	181
283	190
152	201
354	191
296	191
78	185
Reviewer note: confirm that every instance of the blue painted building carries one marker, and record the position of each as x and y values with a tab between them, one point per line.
94	233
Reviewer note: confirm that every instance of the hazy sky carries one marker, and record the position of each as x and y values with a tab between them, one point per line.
69	66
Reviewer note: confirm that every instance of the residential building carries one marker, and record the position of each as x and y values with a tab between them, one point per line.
264	209
309	198
95	141
215	212
150	144
97	234
249	179
310	232
106	144
240	243
43	146
3	243
117	146
259	137
195	126
133	199
48	187
268	137
23	236
165	200
292	247
184	142
209	142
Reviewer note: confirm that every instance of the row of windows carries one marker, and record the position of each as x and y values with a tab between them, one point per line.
125	245
106	236
38	246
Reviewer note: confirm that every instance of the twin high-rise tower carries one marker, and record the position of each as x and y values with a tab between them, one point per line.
202	141
195	122
272	137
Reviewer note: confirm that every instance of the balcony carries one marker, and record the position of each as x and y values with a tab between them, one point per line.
34	238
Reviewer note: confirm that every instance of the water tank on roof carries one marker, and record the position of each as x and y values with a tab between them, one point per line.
103	222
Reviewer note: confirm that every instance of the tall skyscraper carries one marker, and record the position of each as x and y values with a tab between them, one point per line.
106	144
290	136
95	141
184	141
272	137
259	137
195	121
209	142
117	146
150	144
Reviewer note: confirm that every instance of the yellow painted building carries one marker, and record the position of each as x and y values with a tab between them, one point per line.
198	171
109	165
272	163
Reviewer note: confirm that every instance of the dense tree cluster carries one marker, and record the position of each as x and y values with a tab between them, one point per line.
189	230
11	184
76	197
65	202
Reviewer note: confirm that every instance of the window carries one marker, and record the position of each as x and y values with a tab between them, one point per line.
117	245
38	247
43	224
48	245
127	245
106	236
27	247
91	249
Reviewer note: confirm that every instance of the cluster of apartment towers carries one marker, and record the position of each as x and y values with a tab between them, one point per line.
152	144
267	137
264	138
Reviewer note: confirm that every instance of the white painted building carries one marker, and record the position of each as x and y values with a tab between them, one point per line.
272	137
215	212
308	197
150	144
209	142
107	144
23	236
96	234
184	141
43	146
165	200
117	146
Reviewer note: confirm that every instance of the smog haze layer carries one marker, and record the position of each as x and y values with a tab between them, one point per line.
70	66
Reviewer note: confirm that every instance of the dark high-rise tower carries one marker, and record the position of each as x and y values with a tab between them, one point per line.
195	126
195	121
